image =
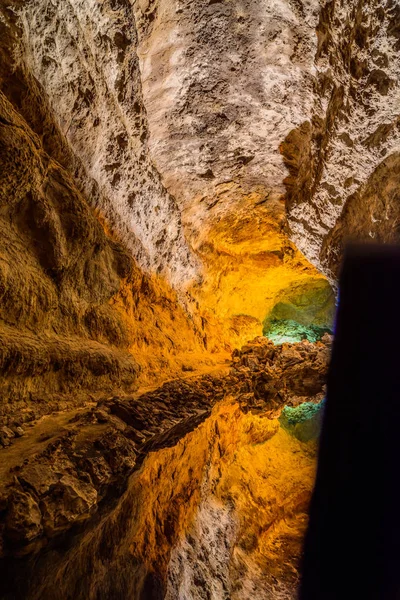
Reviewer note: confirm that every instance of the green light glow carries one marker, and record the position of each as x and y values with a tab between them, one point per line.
303	421
287	330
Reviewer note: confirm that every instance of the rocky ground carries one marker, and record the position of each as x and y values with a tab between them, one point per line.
62	471
167	171
268	377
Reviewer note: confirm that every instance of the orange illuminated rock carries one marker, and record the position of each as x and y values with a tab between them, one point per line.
223	511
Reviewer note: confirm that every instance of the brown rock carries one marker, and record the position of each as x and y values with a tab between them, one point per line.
40	477
7	432
19	432
24	518
71	501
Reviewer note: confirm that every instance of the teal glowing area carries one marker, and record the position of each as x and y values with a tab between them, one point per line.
306	312
289	331
303	421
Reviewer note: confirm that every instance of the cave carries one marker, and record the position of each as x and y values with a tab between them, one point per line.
179	180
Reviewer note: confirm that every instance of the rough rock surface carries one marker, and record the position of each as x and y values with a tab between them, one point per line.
371	214
270	377
155	157
172	85
223	83
180	119
142	108
84	56
178	110
58	330
183	117
75	307
346	151
62	478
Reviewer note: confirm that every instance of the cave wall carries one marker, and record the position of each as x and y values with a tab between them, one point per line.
224	83
345	154
177	124
79	317
149	96
75	308
168	172
58	330
181	120
371	214
84	56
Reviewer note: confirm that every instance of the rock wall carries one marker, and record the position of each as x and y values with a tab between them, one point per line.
158	161
343	160
182	119
75	306
84	56
59	272
370	214
163	131
183	165
223	83
230	84
216	506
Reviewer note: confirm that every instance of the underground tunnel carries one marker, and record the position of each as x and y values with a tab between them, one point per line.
178	182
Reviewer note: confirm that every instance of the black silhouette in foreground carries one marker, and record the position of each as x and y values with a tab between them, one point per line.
352	547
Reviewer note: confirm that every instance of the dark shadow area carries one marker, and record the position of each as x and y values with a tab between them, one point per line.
352	548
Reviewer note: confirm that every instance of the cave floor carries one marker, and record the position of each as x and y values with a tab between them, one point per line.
169	464
42	432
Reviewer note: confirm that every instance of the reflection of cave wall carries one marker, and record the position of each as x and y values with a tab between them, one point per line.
190	523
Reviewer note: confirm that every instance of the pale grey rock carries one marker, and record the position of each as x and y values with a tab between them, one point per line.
180	111
83	53
224	83
199	564
354	124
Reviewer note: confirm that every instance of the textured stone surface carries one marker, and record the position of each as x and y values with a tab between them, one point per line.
224	82
352	133
84	56
181	162
159	158
181	118
219	87
75	308
371	214
271	377
61	480
58	331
